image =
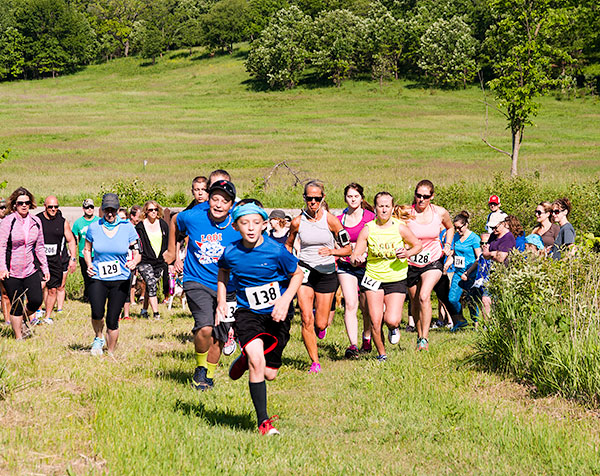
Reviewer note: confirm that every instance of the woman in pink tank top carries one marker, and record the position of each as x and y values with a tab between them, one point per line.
425	269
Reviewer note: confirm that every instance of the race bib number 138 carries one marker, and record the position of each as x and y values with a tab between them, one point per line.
263	297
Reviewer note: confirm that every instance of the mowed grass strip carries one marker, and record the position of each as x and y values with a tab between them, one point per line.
187	116
136	413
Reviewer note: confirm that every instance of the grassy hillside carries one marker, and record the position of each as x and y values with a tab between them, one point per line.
187	116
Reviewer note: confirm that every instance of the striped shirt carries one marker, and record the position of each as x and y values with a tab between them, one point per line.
22	252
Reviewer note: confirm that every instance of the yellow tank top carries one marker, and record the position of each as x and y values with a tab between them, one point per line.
382	264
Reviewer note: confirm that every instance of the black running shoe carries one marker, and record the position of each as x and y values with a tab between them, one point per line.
200	381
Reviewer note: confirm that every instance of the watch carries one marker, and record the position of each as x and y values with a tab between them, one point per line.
73	259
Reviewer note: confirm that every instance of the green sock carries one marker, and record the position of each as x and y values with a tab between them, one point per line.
201	359
211	368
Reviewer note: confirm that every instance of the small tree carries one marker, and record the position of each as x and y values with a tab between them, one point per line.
447	52
151	41
12	54
226	23
279	55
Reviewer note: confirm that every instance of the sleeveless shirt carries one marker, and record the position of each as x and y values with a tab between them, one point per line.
314	235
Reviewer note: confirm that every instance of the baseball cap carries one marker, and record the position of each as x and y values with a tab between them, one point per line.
225	186
88	202
110	200
494	199
536	240
277	214
495	220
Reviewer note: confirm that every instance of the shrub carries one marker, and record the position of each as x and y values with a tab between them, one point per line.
133	192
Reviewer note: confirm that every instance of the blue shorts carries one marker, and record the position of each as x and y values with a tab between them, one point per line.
347	268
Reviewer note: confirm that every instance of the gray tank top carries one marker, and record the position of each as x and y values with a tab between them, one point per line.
314	235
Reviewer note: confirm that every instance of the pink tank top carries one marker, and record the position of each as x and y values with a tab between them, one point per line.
429	234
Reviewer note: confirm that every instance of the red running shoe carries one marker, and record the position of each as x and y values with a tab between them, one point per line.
267	428
238	367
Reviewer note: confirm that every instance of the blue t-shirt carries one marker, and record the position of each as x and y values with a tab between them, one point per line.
520	242
464	252
207	241
110	254
257	272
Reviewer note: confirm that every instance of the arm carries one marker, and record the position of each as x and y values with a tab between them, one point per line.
136	256
447	222
294	227
341	236
360	248
87	256
414	244
223	279
170	256
72	245
4	230
40	252
281	306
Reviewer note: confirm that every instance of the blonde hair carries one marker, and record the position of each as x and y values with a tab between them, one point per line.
402	212
147	205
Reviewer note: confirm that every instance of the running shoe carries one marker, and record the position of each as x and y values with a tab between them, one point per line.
366	346
230	345
200	381
459	325
437	324
58	311
321	335
156	316
49	320
411	329
39	314
127	318
315	368
238	367
34	321
382	358
351	352
144	313
97	346
267	428
394	335
6	323
422	344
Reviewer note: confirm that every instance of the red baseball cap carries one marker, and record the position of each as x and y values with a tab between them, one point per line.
494	199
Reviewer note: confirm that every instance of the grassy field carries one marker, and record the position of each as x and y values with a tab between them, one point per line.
187	116
420	414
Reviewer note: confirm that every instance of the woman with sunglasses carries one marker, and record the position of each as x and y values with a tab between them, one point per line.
154	239
21	245
316	229
354	218
425	269
107	255
566	234
466	246
389	243
503	242
547	230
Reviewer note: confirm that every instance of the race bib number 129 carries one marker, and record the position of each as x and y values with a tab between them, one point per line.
109	269
263	297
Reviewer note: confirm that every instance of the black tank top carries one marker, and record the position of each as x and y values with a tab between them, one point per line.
54	238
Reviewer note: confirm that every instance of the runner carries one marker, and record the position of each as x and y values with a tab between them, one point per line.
426	268
21	243
353	219
384	281
316	229
80	228
467	249
106	253
56	231
154	236
209	231
267	278
5	299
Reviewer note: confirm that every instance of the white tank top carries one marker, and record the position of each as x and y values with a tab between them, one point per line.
314	235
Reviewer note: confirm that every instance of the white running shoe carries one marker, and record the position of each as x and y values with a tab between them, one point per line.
394	335
97	346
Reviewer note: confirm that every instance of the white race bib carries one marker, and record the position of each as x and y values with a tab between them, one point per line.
459	262
109	269
422	258
263	297
231	308
370	283
306	274
50	250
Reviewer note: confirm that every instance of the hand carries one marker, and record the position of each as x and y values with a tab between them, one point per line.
280	309
90	271
464	276
3	275
168	257
401	253
325	251
178	266
357	260
221	312
72	266
130	265
447	249
46	277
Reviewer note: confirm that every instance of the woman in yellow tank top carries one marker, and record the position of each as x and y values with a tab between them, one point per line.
389	243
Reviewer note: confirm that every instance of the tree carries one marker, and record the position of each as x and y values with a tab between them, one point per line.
522	63
447	52
12	54
151	41
188	15
279	55
226	23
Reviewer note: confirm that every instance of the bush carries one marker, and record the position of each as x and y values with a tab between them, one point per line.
133	192
545	325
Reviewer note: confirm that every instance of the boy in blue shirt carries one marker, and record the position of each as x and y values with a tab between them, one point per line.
266	278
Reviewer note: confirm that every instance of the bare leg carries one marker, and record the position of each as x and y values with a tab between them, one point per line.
61	293
17	325
349	286
375	302
428	280
112	336
306	297
50	301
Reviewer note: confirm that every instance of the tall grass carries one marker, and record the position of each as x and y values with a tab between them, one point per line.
545	325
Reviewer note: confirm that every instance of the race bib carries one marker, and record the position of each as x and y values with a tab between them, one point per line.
306	274
50	250
370	283
479	283
263	297
231	308
459	262
109	269
422	258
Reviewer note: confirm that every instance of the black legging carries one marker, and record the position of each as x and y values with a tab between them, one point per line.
86	279
19	288
116	293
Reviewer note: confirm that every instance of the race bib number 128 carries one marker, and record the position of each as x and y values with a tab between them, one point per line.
263	297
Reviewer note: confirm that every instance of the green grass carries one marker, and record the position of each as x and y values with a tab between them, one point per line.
136	414
187	116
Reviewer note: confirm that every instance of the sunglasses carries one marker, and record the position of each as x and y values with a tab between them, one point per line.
459	227
310	199
52	207
23	204
88	207
3	207
557	211
152	210
112	211
423	197
539	212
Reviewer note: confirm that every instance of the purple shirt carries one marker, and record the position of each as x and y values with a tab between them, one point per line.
22	252
354	231
504	244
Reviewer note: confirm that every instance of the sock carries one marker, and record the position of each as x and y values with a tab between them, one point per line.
258	393
201	359
210	370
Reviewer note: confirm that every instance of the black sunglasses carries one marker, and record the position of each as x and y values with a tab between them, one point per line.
310	199
557	211
423	197
459	227
538	212
21	204
3	207
152	209
88	207
52	207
